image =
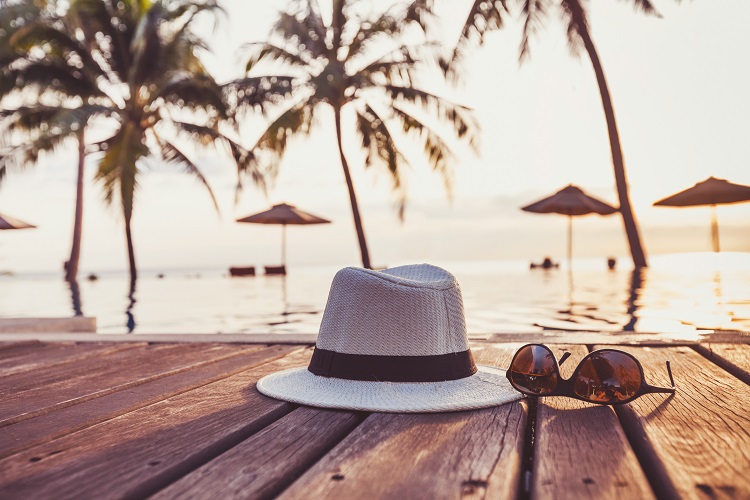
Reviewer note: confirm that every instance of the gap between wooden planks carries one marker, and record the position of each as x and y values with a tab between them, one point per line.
470	454
580	449
35	392
697	442
43	428
140	452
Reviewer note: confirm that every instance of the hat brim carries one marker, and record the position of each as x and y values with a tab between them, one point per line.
487	387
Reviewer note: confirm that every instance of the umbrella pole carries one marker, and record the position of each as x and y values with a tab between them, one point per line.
283	246
570	242
714	229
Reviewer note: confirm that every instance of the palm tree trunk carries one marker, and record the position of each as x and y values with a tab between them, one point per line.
131	252
628	218
352	195
71	267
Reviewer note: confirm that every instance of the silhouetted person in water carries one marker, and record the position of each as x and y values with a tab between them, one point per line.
546	264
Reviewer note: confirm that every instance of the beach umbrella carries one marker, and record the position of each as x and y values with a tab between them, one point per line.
11	223
570	201
710	192
283	215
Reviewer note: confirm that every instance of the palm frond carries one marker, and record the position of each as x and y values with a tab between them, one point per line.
438	152
245	160
296	120
534	13
395	67
29	152
107	30
261	52
368	32
60	44
303	29
32	118
645	6
422	13
40	129
188	10
52	76
118	169
147	48
459	117
381	149
173	155
191	91
574	15
253	93
180	53
483	17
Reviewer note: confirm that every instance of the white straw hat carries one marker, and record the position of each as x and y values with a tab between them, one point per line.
392	341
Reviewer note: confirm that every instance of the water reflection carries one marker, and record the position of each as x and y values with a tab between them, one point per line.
130	323
677	294
637	279
75	297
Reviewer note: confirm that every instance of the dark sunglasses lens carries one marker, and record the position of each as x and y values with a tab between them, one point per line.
534	370
607	377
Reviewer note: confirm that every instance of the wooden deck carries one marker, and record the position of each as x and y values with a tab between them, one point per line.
184	420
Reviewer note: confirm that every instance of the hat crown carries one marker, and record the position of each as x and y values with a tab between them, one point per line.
414	310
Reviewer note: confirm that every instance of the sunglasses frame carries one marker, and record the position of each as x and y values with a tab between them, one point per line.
564	386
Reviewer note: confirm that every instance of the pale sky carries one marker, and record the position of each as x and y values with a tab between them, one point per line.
680	90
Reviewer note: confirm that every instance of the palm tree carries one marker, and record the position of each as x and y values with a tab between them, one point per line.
364	63
149	83
487	15
23	28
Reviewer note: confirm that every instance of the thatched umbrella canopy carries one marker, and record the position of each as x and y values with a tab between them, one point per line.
571	201
11	223
284	214
710	192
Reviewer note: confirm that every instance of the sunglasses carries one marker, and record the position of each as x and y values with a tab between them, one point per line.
606	376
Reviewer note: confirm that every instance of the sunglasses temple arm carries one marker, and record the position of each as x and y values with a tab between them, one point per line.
648	389
669	370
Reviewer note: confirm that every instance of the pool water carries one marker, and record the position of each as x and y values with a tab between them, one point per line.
678	293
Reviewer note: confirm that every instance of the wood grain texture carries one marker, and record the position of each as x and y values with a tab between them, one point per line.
63	324
735	358
53	354
695	444
29	394
620	337
8	348
141	452
443	455
267	462
31	432
581	450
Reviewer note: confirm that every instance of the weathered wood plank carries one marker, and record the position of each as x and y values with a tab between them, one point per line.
29	433
141	452
48	355
265	463
695	444
735	358
7	348
623	337
442	455
233	338
581	450
29	394
63	324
